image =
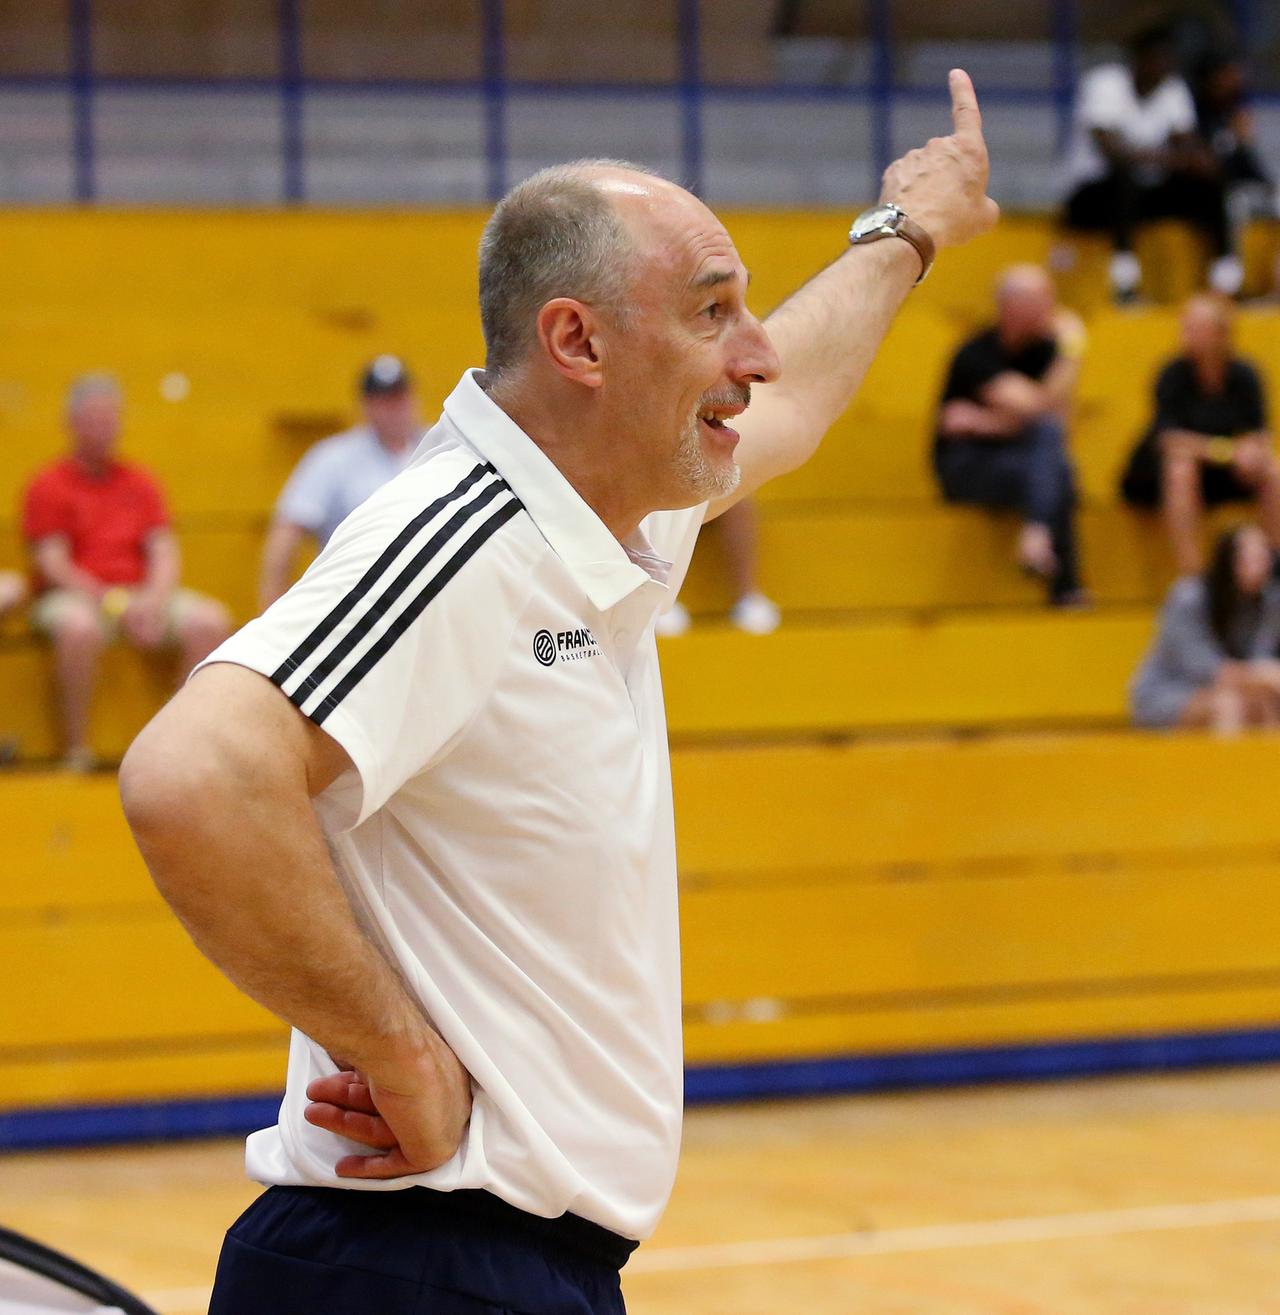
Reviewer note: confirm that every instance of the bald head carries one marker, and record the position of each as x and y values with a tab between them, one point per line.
1025	302
568	231
1206	330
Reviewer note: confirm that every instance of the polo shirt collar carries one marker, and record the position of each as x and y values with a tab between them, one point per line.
603	568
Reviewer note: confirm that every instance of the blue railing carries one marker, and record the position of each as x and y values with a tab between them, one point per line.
877	95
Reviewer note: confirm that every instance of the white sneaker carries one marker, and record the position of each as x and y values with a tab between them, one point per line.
674	621
1125	273
1226	275
755	614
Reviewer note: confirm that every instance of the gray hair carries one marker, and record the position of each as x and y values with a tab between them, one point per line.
554	235
97	383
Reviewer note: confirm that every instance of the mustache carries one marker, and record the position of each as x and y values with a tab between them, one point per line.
730	395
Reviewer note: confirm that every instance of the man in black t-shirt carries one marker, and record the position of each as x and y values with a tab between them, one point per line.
1001	440
1208	442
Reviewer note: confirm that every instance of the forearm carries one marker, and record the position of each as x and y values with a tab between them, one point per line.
230	837
164	565
1059	384
827	335
58	571
278	555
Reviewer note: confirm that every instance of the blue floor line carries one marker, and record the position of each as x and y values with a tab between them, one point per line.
81	1125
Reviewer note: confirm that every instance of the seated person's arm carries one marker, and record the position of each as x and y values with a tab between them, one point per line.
1190	152
284	538
1019	399
218	791
147	618
1185	442
1119	153
1059	382
164	564
52	558
961	418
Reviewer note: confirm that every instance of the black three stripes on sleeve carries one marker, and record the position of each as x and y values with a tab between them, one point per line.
375	598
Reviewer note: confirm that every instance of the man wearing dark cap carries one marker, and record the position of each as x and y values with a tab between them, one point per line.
341	471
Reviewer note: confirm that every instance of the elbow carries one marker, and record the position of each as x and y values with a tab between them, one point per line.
165	789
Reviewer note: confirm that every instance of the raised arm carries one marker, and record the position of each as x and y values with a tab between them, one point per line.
218	791
827	333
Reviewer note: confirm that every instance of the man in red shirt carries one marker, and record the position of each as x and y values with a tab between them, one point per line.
105	561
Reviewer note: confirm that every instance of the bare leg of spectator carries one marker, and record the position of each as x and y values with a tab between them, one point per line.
200	631
1035	550
78	640
1183	510
752	611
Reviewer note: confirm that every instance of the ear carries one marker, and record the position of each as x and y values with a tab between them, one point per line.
570	334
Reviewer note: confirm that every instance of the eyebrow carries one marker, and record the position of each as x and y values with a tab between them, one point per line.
714	277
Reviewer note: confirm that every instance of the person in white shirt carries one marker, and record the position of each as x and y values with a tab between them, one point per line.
421	809
1135	156
341	471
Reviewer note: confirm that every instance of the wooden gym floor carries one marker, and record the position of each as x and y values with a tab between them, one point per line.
1133	1196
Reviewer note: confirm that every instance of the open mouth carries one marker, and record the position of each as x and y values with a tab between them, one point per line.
715	419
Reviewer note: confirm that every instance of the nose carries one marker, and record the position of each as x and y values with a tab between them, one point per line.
757	360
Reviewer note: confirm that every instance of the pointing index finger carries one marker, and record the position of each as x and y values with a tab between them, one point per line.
966	118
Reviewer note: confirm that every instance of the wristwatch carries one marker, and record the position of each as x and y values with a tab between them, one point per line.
889	221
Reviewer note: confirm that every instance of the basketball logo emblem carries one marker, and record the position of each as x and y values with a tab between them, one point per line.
544	647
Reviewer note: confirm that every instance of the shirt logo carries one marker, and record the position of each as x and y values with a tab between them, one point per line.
564	646
544	647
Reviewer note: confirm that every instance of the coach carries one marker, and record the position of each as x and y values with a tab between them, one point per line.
421	809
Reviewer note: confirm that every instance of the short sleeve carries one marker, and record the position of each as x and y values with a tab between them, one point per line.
1181	107
153	510
1171	398
392	640
1253	400
305	498
1102	101
972	368
45	510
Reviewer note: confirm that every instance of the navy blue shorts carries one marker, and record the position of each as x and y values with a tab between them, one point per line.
314	1250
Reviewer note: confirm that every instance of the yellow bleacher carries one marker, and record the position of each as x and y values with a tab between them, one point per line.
861	899
881	848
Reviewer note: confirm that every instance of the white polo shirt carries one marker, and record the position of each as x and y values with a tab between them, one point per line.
1107	99
482	647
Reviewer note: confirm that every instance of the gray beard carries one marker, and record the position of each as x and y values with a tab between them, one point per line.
703	480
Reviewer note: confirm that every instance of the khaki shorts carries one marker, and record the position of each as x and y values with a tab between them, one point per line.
51	607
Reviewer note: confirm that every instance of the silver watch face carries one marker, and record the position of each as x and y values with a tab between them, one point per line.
882	219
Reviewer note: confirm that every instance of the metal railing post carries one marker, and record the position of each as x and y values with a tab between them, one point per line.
1065	37
80	39
689	37
494	59
882	81
293	146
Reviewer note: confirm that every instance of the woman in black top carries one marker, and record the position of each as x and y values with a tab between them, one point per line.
1208	443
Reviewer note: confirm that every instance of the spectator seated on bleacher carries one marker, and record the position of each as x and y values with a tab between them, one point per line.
1213	664
105	561
1136	155
341	471
1001	438
1208	443
1226	125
